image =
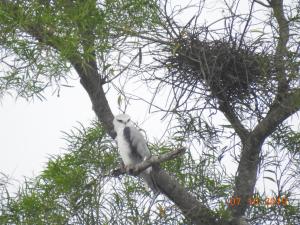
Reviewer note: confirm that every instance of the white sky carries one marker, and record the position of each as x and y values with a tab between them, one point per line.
31	131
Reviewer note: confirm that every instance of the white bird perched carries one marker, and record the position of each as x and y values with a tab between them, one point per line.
132	147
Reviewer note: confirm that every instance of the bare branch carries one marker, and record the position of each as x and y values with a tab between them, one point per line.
234	121
281	49
154	160
261	3
277	114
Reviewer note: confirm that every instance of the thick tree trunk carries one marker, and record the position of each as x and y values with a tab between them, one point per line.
247	175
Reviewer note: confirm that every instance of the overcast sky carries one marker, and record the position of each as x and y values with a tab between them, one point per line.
31	131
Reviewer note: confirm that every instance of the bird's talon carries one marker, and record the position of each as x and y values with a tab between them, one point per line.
130	169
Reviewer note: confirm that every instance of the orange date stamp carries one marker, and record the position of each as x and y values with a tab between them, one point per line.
256	201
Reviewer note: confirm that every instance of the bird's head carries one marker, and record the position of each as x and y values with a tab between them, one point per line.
121	121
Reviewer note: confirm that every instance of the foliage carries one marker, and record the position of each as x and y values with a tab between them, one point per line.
31	64
77	187
66	189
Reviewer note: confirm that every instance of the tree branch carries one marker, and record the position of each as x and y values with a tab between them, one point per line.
277	114
234	120
281	49
249	161
285	104
261	3
153	160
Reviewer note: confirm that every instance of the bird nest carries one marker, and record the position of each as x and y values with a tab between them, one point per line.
225	68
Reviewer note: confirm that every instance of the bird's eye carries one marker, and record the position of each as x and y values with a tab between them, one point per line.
128	120
120	121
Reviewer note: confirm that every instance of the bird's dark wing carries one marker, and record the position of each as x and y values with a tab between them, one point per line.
137	143
140	152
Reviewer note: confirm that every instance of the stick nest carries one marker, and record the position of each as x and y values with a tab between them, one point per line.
230	72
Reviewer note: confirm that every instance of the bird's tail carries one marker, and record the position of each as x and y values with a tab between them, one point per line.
149	178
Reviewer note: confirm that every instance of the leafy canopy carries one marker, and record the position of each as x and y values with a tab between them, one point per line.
39	38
